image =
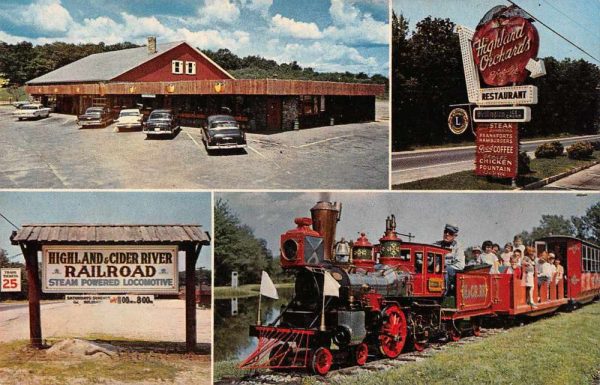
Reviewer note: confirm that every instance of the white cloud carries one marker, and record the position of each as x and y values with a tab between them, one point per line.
298	29
213	39
46	15
261	6
352	27
218	11
142	26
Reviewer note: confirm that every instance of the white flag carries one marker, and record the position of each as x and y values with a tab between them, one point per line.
330	286
266	286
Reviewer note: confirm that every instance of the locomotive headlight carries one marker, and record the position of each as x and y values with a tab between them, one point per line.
289	250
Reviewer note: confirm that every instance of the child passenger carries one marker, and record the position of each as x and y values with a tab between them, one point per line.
528	269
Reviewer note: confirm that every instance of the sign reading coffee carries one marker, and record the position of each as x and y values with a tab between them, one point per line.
502	47
497	150
110	269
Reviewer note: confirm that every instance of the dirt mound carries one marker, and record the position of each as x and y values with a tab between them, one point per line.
83	349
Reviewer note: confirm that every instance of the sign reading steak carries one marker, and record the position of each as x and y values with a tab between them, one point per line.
502	47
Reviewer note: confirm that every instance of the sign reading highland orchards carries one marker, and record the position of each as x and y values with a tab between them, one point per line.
502	48
500	53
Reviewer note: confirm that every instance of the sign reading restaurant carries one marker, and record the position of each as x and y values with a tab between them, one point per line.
110	269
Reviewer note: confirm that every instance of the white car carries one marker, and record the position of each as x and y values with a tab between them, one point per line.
32	111
129	118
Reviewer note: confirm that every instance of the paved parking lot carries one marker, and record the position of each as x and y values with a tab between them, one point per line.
54	153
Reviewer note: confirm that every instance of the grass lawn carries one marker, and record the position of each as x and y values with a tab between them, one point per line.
562	349
467	180
225	292
5	96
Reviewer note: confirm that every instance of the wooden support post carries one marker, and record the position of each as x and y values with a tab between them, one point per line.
34	290
191	256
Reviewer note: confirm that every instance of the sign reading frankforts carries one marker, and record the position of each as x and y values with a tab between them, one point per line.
497	150
110	269
502	48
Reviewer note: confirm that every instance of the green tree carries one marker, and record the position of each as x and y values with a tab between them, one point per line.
588	226
237	249
549	225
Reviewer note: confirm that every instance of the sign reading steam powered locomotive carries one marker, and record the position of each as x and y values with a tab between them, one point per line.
497	150
110	269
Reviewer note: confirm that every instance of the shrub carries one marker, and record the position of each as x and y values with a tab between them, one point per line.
524	162
596	145
549	150
580	150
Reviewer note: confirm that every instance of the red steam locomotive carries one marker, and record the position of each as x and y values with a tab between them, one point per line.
391	297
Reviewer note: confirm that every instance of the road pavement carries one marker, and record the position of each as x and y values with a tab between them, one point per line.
54	153
408	166
162	321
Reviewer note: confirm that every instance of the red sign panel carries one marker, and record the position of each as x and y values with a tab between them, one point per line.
497	149
502	48
473	291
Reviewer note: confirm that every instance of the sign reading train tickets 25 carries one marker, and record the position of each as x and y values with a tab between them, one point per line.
110	269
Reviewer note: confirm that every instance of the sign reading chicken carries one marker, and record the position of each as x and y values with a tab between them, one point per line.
502	48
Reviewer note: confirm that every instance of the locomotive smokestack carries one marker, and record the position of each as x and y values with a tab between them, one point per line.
325	216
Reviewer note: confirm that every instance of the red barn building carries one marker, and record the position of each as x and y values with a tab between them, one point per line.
178	76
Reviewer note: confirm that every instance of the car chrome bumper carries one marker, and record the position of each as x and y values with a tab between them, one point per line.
224	146
129	125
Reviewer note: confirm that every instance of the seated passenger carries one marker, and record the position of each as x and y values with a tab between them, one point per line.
514	267
488	257
506	254
476	256
455	259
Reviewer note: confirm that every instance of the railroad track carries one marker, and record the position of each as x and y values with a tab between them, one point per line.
374	364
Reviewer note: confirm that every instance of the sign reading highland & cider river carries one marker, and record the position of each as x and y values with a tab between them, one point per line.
502	48
110	269
497	150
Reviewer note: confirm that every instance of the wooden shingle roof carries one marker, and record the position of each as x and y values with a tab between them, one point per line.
110	234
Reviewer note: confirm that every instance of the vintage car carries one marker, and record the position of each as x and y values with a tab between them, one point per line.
32	111
161	122
222	132
129	118
95	116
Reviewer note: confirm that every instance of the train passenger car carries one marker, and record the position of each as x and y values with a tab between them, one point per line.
581	262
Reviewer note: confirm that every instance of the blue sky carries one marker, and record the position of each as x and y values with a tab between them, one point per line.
480	216
104	207
577	20
327	35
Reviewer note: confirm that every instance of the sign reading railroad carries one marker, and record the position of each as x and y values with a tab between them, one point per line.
497	150
502	48
110	269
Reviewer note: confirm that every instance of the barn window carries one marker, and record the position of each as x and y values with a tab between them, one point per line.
190	67
177	66
309	105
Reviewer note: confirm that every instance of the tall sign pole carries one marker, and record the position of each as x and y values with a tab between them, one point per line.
497	56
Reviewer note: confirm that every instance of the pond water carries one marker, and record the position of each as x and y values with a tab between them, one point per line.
232	320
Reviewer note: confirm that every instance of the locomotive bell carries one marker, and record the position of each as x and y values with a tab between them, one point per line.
362	253
325	216
342	251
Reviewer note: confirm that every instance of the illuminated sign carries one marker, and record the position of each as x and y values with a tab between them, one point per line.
110	269
507	95
502	48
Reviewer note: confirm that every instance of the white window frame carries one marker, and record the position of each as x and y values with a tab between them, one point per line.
177	67
190	70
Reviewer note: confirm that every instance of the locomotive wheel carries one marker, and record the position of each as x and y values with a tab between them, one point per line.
392	336
321	361
419	346
359	354
454	334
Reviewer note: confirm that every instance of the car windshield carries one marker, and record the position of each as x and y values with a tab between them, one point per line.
30	107
129	113
160	115
225	124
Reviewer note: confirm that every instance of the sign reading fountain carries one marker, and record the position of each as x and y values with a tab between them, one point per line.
497	58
